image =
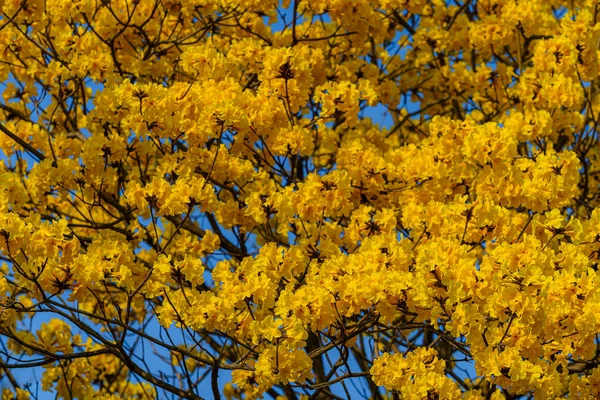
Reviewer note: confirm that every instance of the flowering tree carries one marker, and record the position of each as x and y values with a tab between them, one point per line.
195	203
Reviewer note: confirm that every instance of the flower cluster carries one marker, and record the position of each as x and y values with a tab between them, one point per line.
300	198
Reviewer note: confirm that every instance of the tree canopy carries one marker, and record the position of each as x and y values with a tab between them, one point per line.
307	199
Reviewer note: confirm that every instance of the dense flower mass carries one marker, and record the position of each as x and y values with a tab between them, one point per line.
306	199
